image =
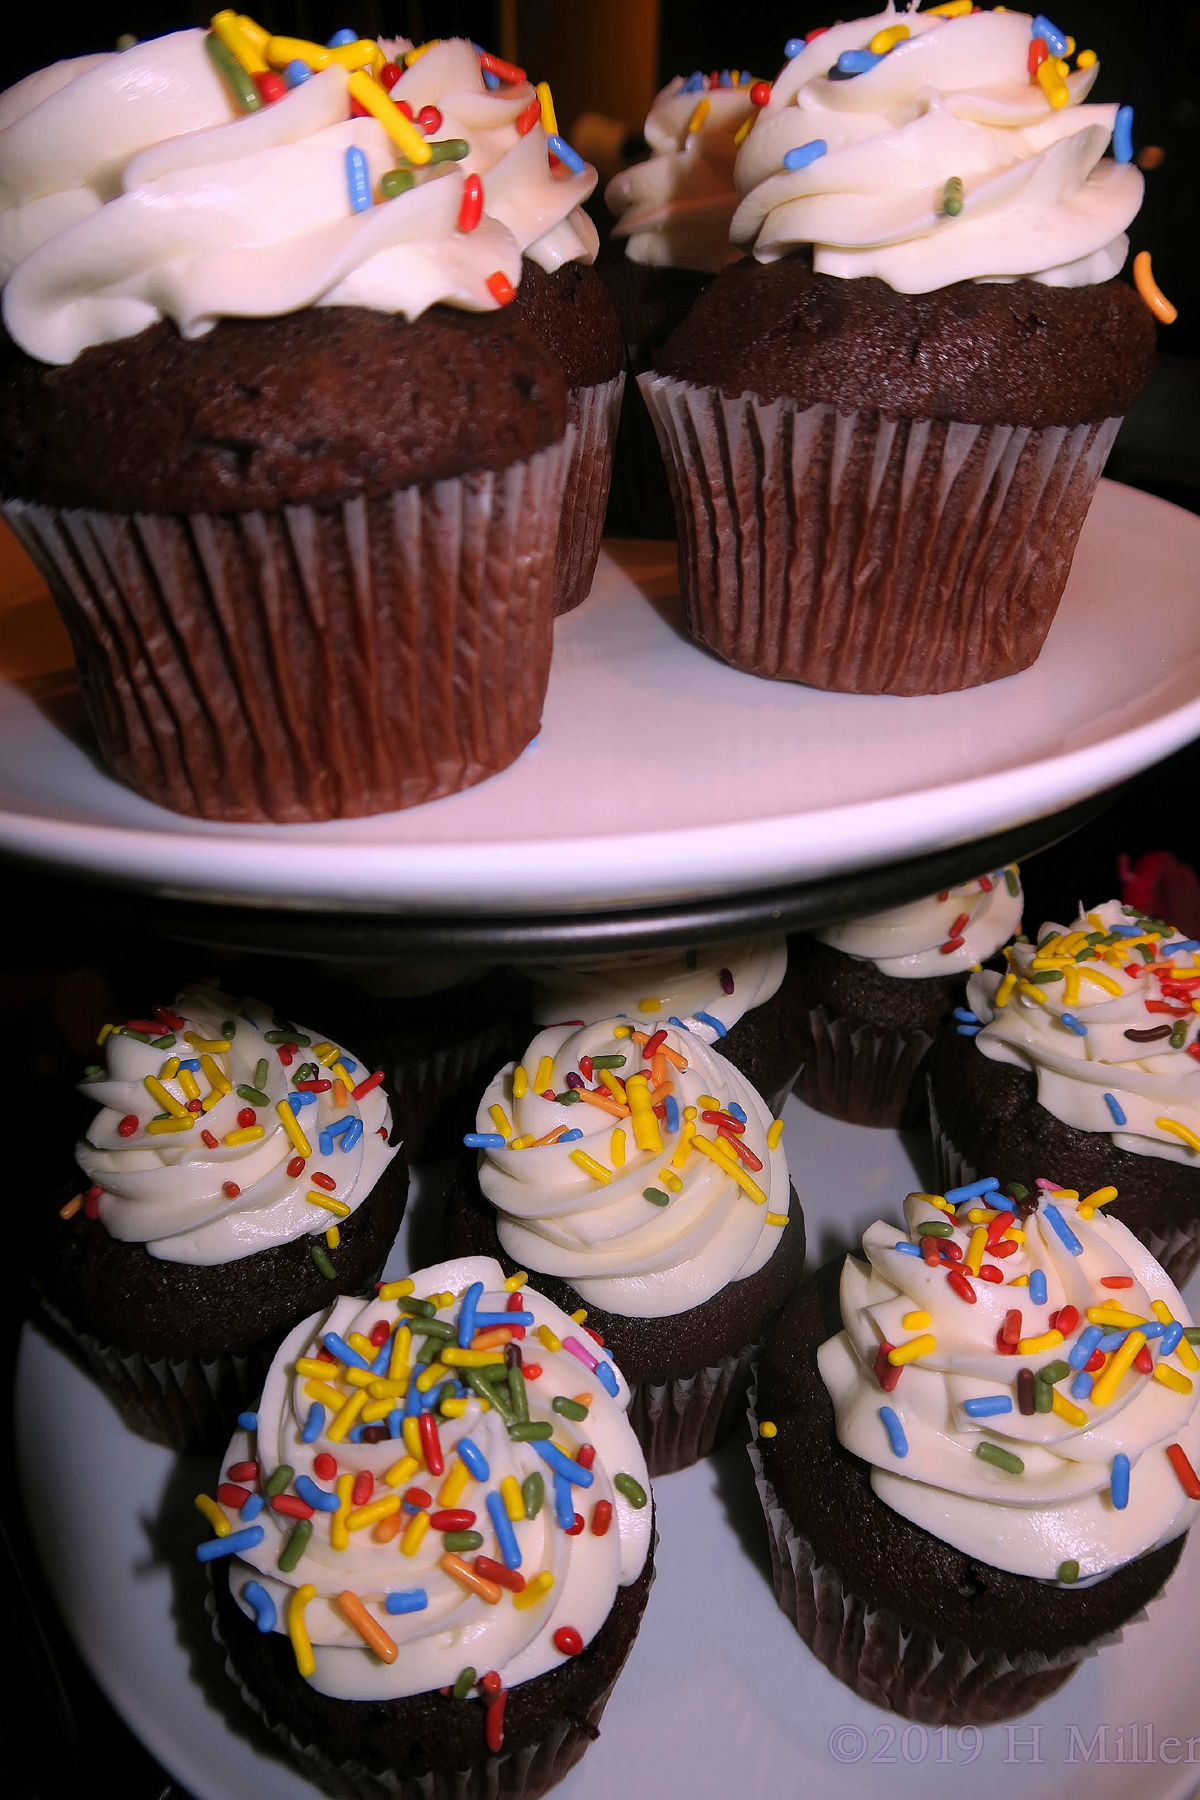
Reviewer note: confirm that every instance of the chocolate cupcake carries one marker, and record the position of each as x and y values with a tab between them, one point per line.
960	1510
673	213
304	549
1083	1057
884	428
240	1170
479	1660
651	1202
872	993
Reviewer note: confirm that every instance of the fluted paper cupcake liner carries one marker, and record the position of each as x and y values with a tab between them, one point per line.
870	555
904	1669
1177	1251
679	1422
863	1074
594	412
304	663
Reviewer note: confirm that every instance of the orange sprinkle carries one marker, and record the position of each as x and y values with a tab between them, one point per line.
492	1339
373	1635
551	1137
1152	294
609	1106
462	1571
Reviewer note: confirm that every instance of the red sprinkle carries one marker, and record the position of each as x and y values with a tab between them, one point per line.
954	943
231	1496
321	1180
312	1087
588	1332
1005	1348
601	1517
325	1354
243	1471
1067	1319
494	1721
819	31
500	288
497	1572
357	109
454	1518
735	1143
389	75
989	1272
1095	1362
726	980
1189	1481
195	1106
489	1684
91	1203
471	210
515	1303
1008	1249
129	1125
364	1486
506	71
324	1466
271	86
962	1287
952	1251
568	1640
431	1445
723	1118
586	1454
417	1498
380	1333
404	107
760	93
247	1116
533	1371
291	1506
945	893
985	884
652	1045
530	117
930	1251
430	120
1143	1362
1038	52
998	1227
211	1141
956	928
1011	1328
575	1529
1116	1281
170	1019
231	1188
886	1374
369	1085
585	1067
150	1025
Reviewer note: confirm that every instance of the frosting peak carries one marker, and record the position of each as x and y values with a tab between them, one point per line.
675	209
940	935
707	989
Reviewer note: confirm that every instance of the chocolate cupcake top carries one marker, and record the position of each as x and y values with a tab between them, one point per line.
365	1551
1102	1011
947	932
704	991
674	210
929	150
225	1130
639	1166
1020	1391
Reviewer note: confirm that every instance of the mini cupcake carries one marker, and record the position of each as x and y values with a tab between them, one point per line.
645	1187
740	997
239	1171
673	213
305	550
966	1500
874	990
1084	1057
419	1607
884	428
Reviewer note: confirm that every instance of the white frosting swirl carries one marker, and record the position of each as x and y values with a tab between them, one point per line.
953	99
456	1627
1149	1079
621	1251
652	986
167	1190
1058	1509
133	192
908	942
674	210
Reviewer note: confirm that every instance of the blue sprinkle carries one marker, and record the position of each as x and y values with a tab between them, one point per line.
895	1430
316	1497
473	1456
193	1062
356	1433
973	1189
489	79
803	154
1119	1481
793	47
252	1508
340	1348
678	1023
987	1405
351	1134
264	1606
571	159
483	1140
506	1537
966	1015
1174	950
314	1425
1152	1329
1123	135
707	1019
1037	1287
569	1137
324	1142
1115	1108
358	181
233	1545
1112	1340
484	1321
1171	1337
608	1380
1056	41
574	1472
737	1112
248	1421
344	36
1081	1387
672	1120
968	1030
430	1400
1062	1230
406	1600
466	1317
694	84
380	1364
1125	931
907	1249
297	73
857	62
395	1422
412	1401
1074	1025
564	1504
1086	1342
296	1101
725	79
348	1064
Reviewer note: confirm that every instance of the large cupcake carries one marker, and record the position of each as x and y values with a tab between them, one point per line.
442	1602
1084	1056
873	991
971	1484
238	1172
644	1186
883	428
305	547
672	235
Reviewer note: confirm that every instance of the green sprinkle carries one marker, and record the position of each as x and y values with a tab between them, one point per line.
143	1037
533	1492
1043	1395
1192	1333
254	1095
464	1684
935	1228
228	1028
656	1197
1011	882
1000	1459
448	150
1046	975
570	1409
569	1097
462	1540
474	1379
433	1328
1097	937
608	1062
633	1490
163	1043
323	1263
1147	952
429	1351
236	79
520	1399
1178	1037
395	183
1068	1571
296	1545
410	1304
528	1431
91	1072
279	1479
261	1070
1017	1190
1055	1371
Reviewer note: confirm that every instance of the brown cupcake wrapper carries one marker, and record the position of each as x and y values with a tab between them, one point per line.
870	555
639	502
1177	1251
883	1659
679	1422
424	1089
594	412
302	663
863	1074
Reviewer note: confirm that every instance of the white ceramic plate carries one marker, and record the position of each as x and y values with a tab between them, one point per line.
719	1696
661	774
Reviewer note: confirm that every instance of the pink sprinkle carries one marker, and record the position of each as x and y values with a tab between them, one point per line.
1049	1186
576	1348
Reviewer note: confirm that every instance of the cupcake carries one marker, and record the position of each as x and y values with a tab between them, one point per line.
304	550
1084	1057
740	997
966	1500
884	427
644	1187
239	1171
673	213
439	1601
873	991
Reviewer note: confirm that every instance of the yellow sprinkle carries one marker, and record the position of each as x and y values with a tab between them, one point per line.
516	1282
776	1218
205	1044
212	1512
253	32
344	1076
622	1031
375	1411
451	1407
229	30
372	1512
445	1300
347	1415
744	129
1086	59
298	1631
616	1148
700	113
415	55
330	1205
684	1147
339	1537
549	122
380	1388
775	1134
975	1249
510	1493
670	1181
245	1134
401	1347
938	1200
1172	1378
545	1074
883	40
165	1098
455	1358
590	1166
1097	975
1106	1382
951	9
156	1127
1063	67
291	1125
1005	991
709	1102
326	1053
1018	1281
333	1237
908	1352
642	1118
1074	1415
1033	1346
916	1321
522	1143
187	1080
580	1315
615	1086
499	1117
280	51
328	1396
520	1082
402	1471
1180	1131
1032	991
1113	1315
689	1113
534	1590
1015	1235
455	1485
357	1377
735	1173
414	1532
1100	1197
411	1434
1070	41
219	1082
1162	1312
767	1429
547	1338
429	1377
980	1215
105	1033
